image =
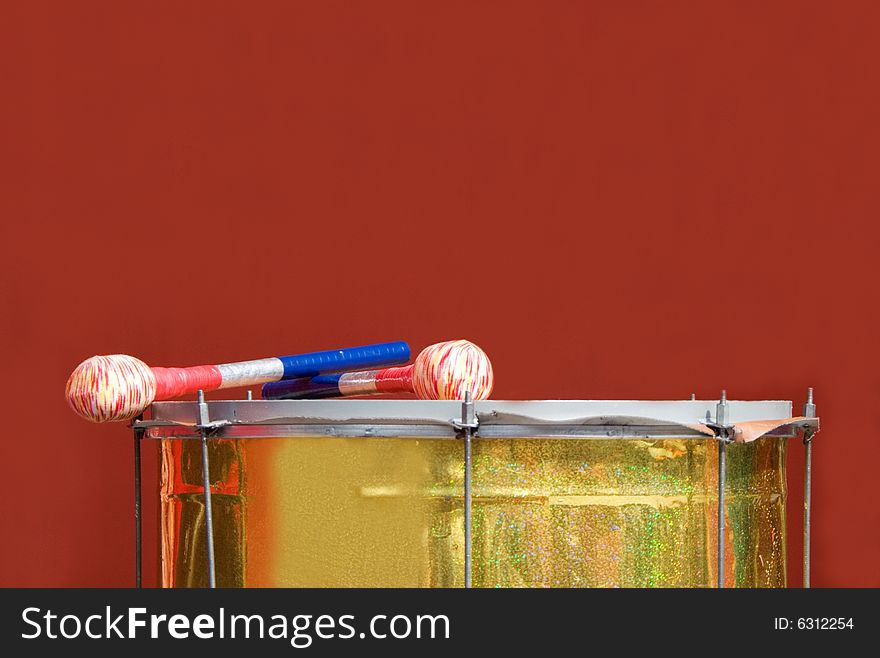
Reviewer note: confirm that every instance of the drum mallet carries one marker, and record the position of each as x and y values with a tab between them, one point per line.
444	371
120	387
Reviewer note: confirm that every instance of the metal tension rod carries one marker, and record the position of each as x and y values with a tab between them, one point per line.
206	482
721	418
466	426
809	412
138	541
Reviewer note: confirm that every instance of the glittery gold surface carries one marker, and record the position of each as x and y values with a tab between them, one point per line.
547	513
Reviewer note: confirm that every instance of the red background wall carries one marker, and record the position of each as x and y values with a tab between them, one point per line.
616	200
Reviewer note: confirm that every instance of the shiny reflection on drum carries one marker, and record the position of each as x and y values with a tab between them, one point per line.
377	512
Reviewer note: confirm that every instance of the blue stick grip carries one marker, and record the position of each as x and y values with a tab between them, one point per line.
348	359
314	388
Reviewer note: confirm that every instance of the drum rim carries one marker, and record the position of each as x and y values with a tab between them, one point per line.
384	418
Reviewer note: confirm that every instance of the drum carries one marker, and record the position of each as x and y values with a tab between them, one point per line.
364	493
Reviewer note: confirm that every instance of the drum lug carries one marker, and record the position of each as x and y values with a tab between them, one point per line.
468	420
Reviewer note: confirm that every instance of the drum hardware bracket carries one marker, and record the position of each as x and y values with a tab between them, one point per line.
461	426
213	428
809	433
723	433
468	420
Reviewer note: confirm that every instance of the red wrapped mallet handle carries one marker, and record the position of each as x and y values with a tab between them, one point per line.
119	387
